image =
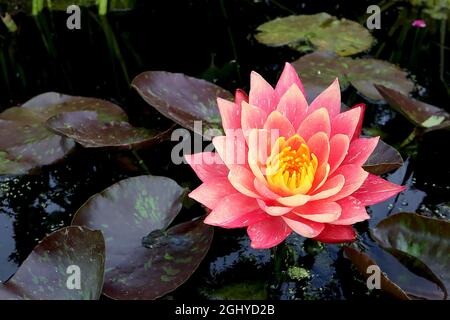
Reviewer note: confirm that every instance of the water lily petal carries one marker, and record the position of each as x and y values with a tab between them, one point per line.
354	177
207	165
353	211
263	189
346	122
211	192
252	117
303	227
293	105
277	124
331	187
230	114
232	149
287	78
295	200
320	146
330	99
240	96
360	150
358	129
235	211
339	145
259	147
319	211
261	93
242	179
268	233
336	234
376	189
318	121
273	210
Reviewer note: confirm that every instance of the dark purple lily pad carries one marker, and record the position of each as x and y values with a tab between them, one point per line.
383	159
183	99
424	238
91	131
362	262
145	259
25	141
48	272
317	31
318	70
419	113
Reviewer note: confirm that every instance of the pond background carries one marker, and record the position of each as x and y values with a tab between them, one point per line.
211	40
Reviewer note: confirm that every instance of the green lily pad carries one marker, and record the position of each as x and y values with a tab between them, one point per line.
50	271
145	259
319	31
183	99
383	159
419	113
91	131
318	70
424	238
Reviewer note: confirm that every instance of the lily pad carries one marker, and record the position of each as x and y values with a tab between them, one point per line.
319	31
419	113
145	259
383	159
183	99
318	70
25	141
50	271
424	238
91	131
362	262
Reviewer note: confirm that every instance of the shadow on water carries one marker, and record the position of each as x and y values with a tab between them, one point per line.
213	40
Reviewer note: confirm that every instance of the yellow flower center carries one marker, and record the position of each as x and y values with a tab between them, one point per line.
291	167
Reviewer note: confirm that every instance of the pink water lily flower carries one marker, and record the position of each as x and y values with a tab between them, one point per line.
287	166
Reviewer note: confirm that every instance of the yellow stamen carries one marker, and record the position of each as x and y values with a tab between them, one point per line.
291	166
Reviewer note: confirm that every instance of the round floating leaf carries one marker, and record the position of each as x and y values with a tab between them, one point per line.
364	73
91	131
424	238
50	272
182	99
318	70
383	159
363	262
25	141
145	259
322	31
419	113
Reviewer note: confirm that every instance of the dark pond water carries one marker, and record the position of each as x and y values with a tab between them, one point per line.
211	40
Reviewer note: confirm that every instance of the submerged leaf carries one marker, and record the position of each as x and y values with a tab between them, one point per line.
50	272
419	113
145	259
182	99
424	238
318	69
321	30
